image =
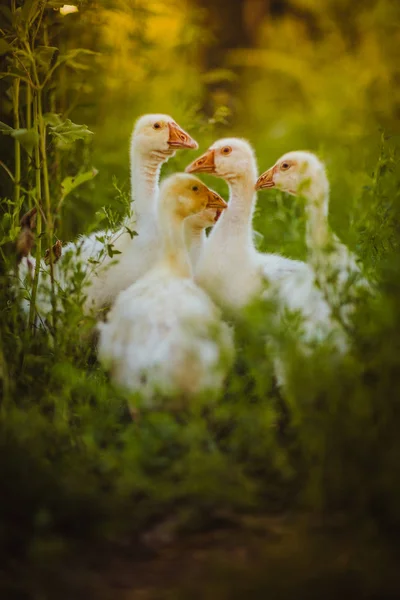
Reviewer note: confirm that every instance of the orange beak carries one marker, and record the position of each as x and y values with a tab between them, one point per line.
214	200
178	138
204	164
266	180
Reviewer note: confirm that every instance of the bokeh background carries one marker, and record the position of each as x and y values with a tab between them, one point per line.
261	496
285	74
290	74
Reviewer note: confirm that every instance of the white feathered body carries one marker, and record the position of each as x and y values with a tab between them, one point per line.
340	276
234	274
299	292
165	335
104	276
222	274
232	271
115	274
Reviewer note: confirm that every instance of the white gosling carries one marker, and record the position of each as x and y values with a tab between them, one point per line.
154	140
302	174
164	335
230	269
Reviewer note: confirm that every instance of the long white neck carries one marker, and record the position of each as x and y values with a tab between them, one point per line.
235	222
317	208
195	238
145	175
174	255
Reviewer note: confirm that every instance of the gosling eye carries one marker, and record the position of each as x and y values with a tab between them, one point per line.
285	166
195	188
157	126
226	150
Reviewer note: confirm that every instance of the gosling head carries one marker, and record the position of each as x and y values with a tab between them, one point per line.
298	173
185	195
160	133
229	158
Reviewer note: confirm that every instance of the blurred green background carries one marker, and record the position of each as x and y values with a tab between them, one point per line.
286	75
292	74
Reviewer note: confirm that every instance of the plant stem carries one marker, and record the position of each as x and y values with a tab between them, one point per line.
7	170
38	199
17	153
55	171
28	125
28	107
40	127
49	216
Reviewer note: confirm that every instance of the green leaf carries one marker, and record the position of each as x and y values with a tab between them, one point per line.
70	183
14	231
70	58
6	129
72	54
4	47
24	60
28	138
131	232
52	119
16	73
111	252
65	132
29	11
44	55
6	223
8	231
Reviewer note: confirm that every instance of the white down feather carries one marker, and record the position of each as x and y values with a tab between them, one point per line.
164	334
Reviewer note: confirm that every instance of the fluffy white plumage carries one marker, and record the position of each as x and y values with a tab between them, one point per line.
230	268
164	334
155	139
337	270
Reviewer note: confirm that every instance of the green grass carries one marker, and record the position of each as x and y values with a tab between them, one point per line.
73	466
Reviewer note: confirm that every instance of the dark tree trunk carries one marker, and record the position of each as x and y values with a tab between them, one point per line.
233	24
